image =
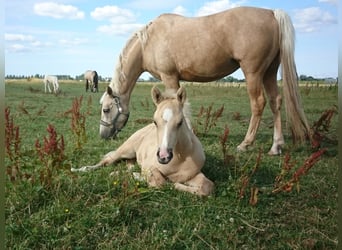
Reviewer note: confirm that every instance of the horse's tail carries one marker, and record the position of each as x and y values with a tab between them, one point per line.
294	112
96	78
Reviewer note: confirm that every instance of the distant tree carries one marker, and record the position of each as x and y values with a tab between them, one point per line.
306	78
153	79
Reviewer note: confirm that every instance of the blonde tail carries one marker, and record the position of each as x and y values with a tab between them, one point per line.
294	112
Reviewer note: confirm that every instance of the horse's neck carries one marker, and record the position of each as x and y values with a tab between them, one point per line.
128	69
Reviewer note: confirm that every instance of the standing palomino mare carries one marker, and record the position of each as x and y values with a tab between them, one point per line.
166	150
174	48
91	79
51	80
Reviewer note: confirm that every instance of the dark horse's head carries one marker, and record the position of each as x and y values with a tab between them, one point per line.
114	114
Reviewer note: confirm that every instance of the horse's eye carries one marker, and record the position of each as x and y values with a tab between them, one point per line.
155	123
106	110
179	123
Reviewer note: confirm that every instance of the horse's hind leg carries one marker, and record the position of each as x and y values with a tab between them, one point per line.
257	103
49	87
270	81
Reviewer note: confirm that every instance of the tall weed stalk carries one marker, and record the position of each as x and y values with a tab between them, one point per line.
78	121
12	144
284	182
51	155
207	118
322	126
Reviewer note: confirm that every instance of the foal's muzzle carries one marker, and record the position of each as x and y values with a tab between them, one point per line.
165	159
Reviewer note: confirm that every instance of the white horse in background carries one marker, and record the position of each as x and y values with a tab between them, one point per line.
51	80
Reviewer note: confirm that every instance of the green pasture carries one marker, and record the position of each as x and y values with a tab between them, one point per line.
48	207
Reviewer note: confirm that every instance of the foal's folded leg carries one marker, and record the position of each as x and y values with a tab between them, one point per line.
199	185
155	178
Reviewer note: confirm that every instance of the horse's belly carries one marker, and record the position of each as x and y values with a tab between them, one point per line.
204	72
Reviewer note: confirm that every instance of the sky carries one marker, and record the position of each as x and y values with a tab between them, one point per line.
67	37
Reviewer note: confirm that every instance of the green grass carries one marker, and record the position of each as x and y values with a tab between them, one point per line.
98	211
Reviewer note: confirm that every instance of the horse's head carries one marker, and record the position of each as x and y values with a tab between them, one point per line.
169	121
113	117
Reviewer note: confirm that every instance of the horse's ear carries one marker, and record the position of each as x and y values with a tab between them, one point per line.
156	95
181	95
109	91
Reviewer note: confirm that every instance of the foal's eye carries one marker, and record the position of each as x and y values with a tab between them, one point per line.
179	123
155	123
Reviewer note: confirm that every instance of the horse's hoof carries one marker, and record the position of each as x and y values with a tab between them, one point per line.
241	148
275	152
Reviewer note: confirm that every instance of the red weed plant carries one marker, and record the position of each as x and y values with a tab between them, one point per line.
50	153
78	120
245	178
23	109
321	126
281	184
208	118
12	145
223	142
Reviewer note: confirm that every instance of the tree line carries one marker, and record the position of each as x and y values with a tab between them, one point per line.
153	79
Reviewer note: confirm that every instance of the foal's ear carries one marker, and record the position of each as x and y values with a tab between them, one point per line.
181	95
156	95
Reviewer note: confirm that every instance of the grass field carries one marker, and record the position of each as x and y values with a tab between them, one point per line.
48	207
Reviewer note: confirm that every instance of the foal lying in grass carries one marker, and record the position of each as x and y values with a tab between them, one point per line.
166	150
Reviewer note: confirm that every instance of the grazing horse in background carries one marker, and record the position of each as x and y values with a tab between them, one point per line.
167	150
174	48
51	80
91	79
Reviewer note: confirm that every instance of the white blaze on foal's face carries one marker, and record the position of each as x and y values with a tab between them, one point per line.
167	115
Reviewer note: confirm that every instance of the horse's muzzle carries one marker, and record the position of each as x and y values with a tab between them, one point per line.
166	157
107	130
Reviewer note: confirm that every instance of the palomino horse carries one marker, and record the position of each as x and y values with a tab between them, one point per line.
174	48
91	79
51	80
167	150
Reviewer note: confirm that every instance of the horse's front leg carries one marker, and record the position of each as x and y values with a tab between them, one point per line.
109	158
199	185
170	81
125	151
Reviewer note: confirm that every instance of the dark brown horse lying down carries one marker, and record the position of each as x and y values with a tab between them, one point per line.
166	150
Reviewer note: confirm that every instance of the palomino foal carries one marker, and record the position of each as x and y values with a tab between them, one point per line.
166	150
